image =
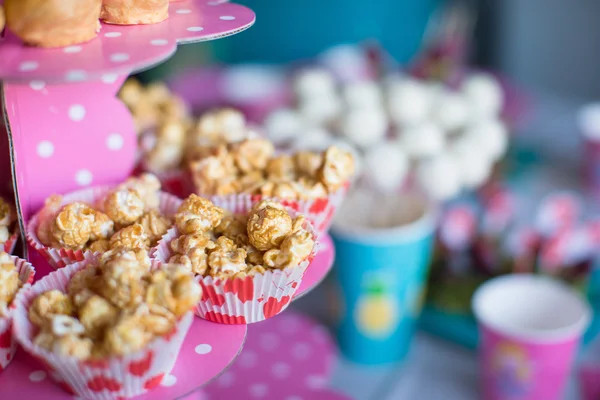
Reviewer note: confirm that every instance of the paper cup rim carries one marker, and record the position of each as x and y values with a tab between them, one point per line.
415	230
566	332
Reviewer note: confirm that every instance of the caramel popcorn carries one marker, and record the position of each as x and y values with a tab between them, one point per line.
124	206
63	336
167	150
148	188
156	319
226	259
131	237
191	251
308	163
337	167
197	214
173	288
281	190
132	258
128	335
82	285
47	305
268	224
233	226
294	249
9	281
155	225
101	226
307	188
214	175
95	314
252	154
72	227
99	246
121	284
218	126
281	168
131	93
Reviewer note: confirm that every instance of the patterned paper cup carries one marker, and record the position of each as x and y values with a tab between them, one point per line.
248	300
60	258
8	344
110	378
11	243
530	330
319	211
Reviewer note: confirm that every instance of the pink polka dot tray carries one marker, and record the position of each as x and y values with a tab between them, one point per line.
124	49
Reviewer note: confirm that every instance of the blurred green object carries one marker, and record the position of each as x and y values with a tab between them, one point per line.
291	30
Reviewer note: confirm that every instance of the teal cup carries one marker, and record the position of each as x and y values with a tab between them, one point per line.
381	273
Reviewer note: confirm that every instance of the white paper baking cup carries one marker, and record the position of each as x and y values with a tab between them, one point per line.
59	258
248	300
110	378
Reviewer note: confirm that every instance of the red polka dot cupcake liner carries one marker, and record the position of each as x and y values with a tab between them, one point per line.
111	378
248	300
59	258
8	343
319	211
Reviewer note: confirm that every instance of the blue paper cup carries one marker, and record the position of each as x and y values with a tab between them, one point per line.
381	274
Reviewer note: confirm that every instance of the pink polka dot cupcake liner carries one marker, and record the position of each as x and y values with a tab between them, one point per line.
319	211
59	258
8	343
248	300
105	379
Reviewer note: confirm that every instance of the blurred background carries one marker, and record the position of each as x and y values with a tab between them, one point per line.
518	79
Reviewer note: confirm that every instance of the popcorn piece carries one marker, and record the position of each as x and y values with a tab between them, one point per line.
133	258
131	93
254	256
47	305
197	214
226	259
268	224
128	335
250	182
214	175
167	150
225	124
125	12
124	206
281	168
155	225
47	216
252	154
101	226
122	282
232	226
131	237
294	249
72	227
281	190
63	325
9	281
337	168
307	162
148	188
95	315
83	284
191	252
173	288
156	319
307	188
99	246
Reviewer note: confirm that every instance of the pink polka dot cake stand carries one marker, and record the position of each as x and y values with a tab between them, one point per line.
208	350
123	49
319	268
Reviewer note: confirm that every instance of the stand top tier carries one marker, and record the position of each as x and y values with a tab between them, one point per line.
121	50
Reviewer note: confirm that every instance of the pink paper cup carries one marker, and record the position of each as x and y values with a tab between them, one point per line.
111	378
59	258
248	300
530	327
11	243
8	343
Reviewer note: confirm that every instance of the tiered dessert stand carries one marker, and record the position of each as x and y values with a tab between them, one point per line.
66	130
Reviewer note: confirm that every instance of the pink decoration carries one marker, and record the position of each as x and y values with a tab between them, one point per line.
286	356
123	49
319	268
208	347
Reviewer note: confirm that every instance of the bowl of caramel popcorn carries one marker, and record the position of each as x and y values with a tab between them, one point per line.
14	274
312	183
9	229
113	323
74	227
248	257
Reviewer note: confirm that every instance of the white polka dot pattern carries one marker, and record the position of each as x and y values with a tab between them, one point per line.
203	348
45	149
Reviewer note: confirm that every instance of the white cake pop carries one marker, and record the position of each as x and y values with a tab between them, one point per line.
491	137
409	102
475	167
320	110
423	140
439	176
283	125
313	139
484	94
313	82
364	127
362	94
386	166
451	110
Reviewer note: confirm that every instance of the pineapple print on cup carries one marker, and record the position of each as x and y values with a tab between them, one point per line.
377	311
